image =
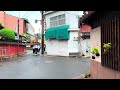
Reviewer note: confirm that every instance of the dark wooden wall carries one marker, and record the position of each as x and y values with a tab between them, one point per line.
110	33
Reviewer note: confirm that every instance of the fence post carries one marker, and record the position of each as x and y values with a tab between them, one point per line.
9	51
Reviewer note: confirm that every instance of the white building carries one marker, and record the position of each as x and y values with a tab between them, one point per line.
30	30
62	32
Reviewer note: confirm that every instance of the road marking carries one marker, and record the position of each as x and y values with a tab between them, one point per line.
48	61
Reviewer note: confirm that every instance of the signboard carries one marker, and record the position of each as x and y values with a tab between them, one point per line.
16	37
44	26
16	28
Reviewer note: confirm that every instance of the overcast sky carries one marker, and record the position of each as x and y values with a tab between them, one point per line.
31	16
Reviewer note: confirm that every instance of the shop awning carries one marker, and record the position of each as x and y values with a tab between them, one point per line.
60	32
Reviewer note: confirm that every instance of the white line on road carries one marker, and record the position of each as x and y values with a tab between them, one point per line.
48	61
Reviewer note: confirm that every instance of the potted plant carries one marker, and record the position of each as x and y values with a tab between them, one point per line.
106	47
95	52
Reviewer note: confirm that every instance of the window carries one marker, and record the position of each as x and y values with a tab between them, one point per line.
57	20
63	15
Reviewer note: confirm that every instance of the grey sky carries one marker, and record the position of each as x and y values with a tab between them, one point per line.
30	15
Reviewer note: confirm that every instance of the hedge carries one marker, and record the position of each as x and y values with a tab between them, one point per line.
7	34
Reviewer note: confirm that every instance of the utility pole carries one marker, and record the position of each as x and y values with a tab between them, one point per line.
18	37
18	33
42	51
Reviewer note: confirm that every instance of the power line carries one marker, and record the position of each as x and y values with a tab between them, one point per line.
25	13
28	15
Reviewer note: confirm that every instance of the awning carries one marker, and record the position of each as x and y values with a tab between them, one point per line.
85	28
60	32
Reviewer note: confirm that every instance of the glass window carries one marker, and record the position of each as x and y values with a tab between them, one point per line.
63	15
57	20
59	17
51	19
51	24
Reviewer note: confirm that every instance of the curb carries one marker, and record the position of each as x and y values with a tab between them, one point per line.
80	77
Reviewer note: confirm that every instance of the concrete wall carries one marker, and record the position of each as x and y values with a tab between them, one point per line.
57	47
73	45
97	70
71	18
95	40
63	47
85	45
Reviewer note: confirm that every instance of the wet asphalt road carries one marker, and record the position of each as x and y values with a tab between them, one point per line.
43	67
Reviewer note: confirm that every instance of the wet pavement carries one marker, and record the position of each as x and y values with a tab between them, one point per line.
44	67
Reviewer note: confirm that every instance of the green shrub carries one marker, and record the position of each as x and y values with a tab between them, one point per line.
95	50
7	34
106	47
0	23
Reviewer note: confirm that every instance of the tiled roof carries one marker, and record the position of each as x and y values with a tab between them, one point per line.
86	16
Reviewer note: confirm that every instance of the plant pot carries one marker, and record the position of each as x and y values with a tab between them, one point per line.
0	37
83	55
106	51
87	51
93	57
97	54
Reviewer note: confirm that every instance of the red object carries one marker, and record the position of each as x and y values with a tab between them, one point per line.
85	28
44	26
11	21
10	50
100	72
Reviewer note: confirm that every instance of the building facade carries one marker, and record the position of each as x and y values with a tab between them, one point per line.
84	40
105	29
61	32
11	22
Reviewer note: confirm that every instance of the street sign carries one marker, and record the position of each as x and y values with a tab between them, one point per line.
16	28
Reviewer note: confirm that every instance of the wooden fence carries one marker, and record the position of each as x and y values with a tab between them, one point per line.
110	33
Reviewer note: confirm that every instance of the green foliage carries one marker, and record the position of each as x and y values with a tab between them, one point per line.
25	35
95	50
87	74
7	34
106	47
0	23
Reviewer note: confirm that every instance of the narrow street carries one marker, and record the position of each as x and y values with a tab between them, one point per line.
44	67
